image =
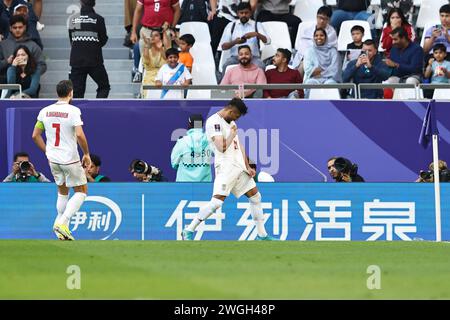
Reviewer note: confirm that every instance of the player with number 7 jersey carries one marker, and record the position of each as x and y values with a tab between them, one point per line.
62	124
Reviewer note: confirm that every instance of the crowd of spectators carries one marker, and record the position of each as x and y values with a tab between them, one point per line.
390	55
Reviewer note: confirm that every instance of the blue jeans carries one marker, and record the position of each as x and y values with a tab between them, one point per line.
136	55
340	16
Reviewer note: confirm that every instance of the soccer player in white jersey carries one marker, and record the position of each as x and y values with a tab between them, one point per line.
63	129
233	173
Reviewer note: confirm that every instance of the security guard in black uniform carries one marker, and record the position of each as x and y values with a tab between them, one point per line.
87	33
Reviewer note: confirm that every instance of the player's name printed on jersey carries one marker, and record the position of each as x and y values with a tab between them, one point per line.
56	114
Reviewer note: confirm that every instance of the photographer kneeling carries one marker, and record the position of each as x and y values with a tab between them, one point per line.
143	172
428	176
343	170
24	171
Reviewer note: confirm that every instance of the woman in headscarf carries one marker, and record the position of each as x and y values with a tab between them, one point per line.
321	62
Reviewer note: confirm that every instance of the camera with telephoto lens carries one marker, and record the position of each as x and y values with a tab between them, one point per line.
24	167
142	167
345	166
444	175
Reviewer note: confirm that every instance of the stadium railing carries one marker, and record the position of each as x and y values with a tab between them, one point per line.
282	86
6	87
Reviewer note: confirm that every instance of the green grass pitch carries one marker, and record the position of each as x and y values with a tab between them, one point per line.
34	269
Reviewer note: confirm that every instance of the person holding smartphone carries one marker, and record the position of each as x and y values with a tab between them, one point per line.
23	71
438	34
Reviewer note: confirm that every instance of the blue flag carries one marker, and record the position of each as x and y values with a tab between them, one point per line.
429	127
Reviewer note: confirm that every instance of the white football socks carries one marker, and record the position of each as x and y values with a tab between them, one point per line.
257	214
61	204
73	205
204	213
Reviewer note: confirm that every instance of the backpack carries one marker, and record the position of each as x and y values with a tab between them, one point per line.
193	10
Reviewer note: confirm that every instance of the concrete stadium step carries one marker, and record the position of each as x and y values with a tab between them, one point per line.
114	76
64	53
61	20
103	8
118	90
111	65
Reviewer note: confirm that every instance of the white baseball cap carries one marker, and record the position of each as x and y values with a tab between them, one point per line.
20	5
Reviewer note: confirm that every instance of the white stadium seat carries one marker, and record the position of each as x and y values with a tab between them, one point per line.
441	94
307	9
302	26
278	33
324	94
199	30
429	11
404	94
345	36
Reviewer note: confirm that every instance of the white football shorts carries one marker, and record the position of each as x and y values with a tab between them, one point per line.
72	175
232	179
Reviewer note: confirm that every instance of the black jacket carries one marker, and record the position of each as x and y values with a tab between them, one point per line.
87	34
353	5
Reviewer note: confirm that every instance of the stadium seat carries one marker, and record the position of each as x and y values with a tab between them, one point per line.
223	57
278	33
345	36
332	3
301	27
429	11
231	66
202	73
441	94
322	94
199	30
417	3
202	53
307	9
404	94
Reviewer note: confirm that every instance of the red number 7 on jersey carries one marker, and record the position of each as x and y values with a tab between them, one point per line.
57	126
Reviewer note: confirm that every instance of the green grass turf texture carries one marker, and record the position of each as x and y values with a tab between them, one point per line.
36	269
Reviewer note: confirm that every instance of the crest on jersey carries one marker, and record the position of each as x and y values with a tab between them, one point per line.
217	127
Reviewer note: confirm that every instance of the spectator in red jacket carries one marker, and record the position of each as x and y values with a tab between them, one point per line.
395	19
283	74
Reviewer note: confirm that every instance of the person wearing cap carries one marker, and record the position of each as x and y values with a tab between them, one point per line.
191	156
32	21
87	34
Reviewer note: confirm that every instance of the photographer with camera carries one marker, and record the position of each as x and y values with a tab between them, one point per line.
191	155
343	170
143	172
24	171
428	176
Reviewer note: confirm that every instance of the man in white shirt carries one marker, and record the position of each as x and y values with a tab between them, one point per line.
63	129
173	73
243	31
233	172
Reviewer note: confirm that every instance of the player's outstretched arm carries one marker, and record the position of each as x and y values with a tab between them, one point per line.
37	137
82	141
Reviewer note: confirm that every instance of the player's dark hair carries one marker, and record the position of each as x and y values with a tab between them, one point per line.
445	8
243	6
238	104
245	46
63	88
440	47
21	154
286	53
188	38
332	158
96	160
17	18
357	28
172	52
325	10
401	32
370	42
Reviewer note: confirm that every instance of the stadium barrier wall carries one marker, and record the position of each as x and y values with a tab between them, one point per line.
289	139
293	211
